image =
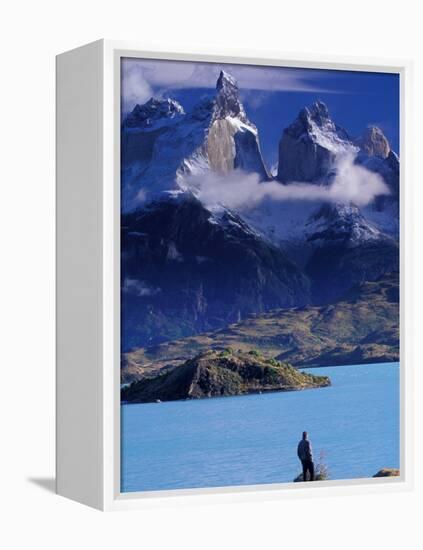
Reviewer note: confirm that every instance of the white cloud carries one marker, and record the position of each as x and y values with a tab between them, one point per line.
141	196
142	78
352	183
138	288
134	88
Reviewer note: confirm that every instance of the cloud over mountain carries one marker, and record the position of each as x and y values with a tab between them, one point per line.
240	190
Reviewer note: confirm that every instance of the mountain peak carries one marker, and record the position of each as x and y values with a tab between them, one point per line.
316	113
374	143
224	80
310	144
227	98
144	116
319	109
334	223
164	146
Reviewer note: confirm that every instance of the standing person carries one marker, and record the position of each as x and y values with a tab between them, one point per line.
305	454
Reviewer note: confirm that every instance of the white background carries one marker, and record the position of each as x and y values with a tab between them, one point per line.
31	34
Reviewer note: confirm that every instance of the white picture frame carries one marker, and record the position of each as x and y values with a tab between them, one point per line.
88	279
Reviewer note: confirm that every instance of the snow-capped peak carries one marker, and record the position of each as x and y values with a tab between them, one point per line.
310	144
320	128
225	79
317	111
154	110
227	101
215	136
335	223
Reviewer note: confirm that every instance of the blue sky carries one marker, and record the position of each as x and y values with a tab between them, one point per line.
272	96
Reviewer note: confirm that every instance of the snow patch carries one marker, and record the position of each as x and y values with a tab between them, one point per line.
327	137
173	254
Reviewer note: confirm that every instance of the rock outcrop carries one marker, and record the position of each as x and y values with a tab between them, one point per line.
376	155
374	143
317	477
387	472
321	475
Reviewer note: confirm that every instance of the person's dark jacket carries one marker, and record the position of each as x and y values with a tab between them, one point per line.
304	450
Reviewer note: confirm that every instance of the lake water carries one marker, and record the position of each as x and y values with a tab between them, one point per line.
252	439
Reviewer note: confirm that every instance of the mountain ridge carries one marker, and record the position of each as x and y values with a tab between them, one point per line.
197	271
362	327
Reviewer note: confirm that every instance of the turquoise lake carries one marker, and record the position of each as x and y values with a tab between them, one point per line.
248	440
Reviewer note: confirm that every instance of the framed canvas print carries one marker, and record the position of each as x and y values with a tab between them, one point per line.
231	276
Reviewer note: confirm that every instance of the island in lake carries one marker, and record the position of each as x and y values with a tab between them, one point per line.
220	373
